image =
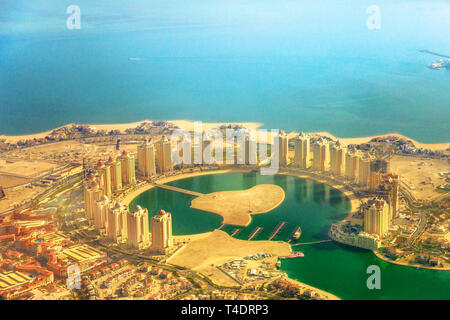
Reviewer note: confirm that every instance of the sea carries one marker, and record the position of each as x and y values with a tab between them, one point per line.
350	67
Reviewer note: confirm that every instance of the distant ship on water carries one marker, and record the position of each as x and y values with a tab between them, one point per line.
442	63
136	59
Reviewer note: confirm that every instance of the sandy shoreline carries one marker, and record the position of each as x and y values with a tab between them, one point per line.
182	124
189	125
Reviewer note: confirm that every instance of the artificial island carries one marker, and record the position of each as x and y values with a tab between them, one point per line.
69	228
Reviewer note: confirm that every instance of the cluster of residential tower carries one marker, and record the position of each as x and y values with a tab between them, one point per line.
113	219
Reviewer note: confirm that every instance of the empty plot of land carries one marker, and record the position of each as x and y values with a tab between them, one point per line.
218	247
421	176
7	180
24	168
236	207
18	196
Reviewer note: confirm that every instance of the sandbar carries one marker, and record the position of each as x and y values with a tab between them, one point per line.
236	207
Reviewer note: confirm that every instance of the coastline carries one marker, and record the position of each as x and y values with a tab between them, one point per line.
189	125
182	124
328	295
380	256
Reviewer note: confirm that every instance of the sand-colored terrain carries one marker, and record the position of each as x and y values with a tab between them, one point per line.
25	168
7	180
218	247
16	196
420	176
236	207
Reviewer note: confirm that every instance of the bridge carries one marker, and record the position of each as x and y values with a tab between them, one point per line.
313	242
171	188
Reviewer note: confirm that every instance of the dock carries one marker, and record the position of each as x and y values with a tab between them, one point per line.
435	53
277	229
189	192
235	232
255	233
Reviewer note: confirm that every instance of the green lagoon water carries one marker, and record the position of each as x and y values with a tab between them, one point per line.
338	269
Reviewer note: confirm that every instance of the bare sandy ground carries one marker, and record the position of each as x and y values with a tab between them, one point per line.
218	247
421	176
17	196
9	181
25	168
236	207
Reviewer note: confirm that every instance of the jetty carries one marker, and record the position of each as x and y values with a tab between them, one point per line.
255	233
277	229
435	53
235	232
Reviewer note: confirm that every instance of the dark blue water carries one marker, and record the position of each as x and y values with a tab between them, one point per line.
294	65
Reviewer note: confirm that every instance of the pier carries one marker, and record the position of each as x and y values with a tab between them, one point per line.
313	242
277	229
164	186
255	233
435	53
235	232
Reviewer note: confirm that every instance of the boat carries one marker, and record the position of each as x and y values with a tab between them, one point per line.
294	255
297	234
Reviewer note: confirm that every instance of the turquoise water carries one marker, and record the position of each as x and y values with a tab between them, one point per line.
296	65
329	266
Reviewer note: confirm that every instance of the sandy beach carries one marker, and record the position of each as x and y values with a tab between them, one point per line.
189	125
182	124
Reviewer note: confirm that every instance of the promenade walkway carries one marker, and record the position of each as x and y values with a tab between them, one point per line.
189	192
